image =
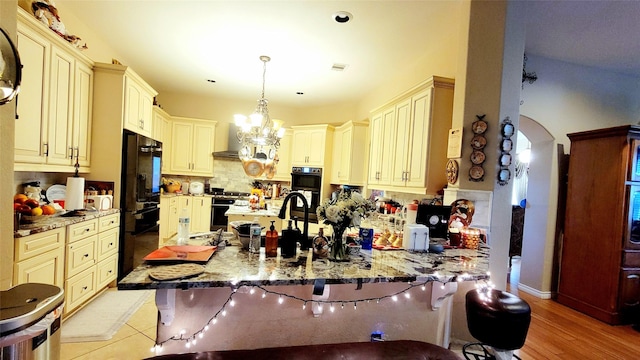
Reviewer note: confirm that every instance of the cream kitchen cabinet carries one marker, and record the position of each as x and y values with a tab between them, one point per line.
55	108
349	144
138	112
381	127
200	209
168	218
191	147
311	145
40	258
160	122
91	258
417	151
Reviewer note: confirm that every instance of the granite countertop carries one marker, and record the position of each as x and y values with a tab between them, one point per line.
37	224
245	210
236	266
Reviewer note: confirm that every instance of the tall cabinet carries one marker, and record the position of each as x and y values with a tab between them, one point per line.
600	261
409	137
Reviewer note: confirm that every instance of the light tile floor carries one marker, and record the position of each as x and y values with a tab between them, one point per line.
133	341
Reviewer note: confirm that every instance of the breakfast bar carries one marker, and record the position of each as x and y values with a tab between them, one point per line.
242	300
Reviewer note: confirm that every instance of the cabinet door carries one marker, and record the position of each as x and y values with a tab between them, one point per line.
60	149
202	156
47	268
632	234
388	144
181	147
173	217
146	113
201	214
315	152
132	112
301	147
375	150
82	105
417	156
630	288
401	143
283	168
30	127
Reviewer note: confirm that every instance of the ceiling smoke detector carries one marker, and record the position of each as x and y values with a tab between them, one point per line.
342	17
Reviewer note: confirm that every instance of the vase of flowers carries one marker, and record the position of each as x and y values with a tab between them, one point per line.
344	211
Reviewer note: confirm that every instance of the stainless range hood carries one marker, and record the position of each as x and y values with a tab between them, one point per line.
233	146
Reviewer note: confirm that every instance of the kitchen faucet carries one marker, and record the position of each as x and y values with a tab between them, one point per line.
304	243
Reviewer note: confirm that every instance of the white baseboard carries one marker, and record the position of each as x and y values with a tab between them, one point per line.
535	292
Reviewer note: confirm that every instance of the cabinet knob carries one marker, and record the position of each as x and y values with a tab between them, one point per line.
85	255
84	288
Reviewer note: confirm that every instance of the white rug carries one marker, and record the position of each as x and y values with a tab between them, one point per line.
104	316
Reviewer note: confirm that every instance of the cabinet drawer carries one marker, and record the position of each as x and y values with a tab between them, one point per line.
108	222
79	289
107	243
107	270
81	230
81	255
47	268
33	245
631	258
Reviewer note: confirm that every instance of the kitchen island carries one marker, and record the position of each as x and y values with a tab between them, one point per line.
245	301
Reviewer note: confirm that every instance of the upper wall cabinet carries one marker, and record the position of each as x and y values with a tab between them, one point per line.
413	131
55	107
138	112
348	162
191	145
311	145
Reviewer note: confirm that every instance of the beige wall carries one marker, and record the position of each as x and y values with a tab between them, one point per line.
7	125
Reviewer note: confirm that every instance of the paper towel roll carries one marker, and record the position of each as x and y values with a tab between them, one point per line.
74	198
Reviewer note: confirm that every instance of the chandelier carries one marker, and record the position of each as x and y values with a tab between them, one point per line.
259	136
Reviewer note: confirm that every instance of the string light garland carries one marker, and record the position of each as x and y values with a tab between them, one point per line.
191	340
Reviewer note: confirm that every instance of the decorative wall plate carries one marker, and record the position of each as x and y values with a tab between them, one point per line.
476	173
452	171
478	142
477	157
479	127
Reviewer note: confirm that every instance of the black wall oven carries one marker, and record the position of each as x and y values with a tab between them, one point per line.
307	181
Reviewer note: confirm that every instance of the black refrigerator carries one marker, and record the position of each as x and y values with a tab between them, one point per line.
141	180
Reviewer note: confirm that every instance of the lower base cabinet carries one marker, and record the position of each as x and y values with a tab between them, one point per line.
81	258
40	258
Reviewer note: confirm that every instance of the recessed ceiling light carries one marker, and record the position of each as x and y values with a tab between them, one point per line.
211	80
342	17
338	67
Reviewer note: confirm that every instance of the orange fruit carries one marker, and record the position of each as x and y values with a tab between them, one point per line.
19	198
48	210
36	211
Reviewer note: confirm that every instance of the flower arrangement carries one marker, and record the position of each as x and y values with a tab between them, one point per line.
346	210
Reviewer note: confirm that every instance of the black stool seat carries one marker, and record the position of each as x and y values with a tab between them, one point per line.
497	318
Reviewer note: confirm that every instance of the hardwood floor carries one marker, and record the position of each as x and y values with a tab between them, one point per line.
558	332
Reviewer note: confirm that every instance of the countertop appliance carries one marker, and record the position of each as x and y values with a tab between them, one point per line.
308	182
436	218
141	164
220	202
196	188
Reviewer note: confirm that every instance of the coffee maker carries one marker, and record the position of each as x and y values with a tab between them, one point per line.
436	218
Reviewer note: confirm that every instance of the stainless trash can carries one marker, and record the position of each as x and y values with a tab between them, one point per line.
30	322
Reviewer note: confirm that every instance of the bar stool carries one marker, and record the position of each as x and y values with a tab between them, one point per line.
499	320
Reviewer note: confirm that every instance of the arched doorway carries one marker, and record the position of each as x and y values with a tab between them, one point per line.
539	234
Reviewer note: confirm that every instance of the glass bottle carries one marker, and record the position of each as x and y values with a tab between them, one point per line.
183	227
271	241
320	245
255	236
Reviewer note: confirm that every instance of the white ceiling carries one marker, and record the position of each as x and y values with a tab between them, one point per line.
179	44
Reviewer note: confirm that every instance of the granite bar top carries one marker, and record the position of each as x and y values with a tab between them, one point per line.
36	224
245	210
234	266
